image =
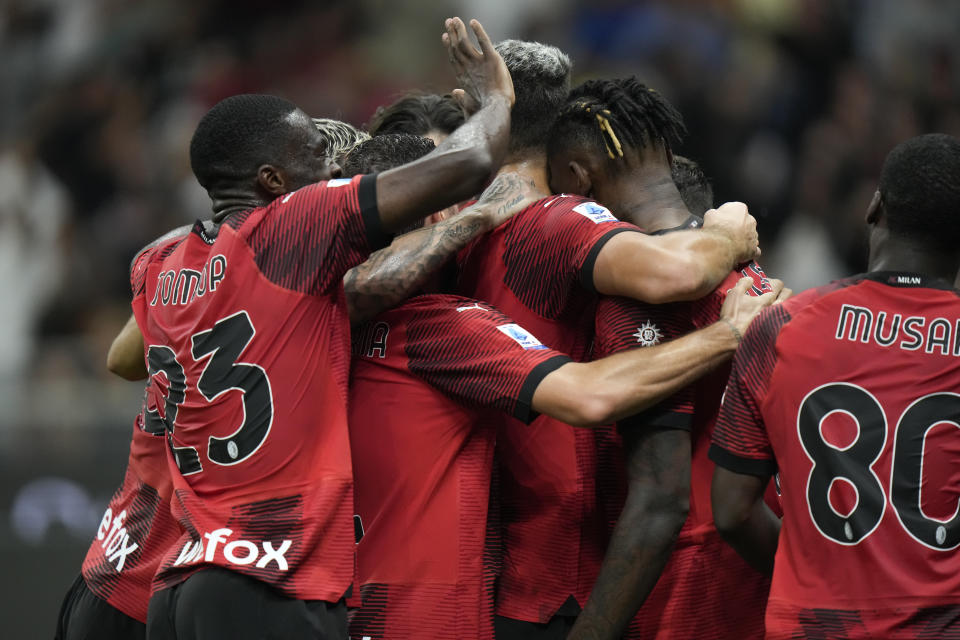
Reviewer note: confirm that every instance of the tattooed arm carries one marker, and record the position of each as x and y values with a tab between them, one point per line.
658	498
391	274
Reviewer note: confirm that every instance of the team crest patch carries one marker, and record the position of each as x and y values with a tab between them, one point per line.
339	182
597	213
648	334
521	336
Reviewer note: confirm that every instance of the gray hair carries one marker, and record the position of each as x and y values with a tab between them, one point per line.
541	82
535	59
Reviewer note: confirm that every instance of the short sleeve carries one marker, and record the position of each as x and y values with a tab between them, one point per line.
551	250
308	239
475	354
740	439
623	324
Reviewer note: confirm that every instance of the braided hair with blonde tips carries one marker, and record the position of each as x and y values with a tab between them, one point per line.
613	115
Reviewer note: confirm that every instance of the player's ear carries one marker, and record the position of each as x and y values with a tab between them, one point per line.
875	208
272	179
581	178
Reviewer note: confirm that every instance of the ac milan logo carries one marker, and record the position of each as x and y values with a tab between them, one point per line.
648	334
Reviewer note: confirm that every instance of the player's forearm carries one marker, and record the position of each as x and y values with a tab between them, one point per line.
703	259
629	382
756	537
684	265
655	510
455	171
393	273
125	357
743	518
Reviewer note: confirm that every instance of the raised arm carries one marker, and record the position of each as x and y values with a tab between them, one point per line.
684	265
595	393
393	273
463	163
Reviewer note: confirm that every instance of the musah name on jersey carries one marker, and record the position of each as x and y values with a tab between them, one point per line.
910	333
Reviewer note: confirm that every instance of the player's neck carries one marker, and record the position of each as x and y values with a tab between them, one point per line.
534	167
900	254
650	200
229	201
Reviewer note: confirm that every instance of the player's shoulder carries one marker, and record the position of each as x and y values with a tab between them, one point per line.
305	198
566	204
163	246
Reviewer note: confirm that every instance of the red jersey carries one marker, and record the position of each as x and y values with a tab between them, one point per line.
681	605
850	392
538	268
426	377
136	529
247	343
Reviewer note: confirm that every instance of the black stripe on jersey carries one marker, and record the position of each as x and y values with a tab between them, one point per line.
367	199
657	418
738	464
523	411
586	271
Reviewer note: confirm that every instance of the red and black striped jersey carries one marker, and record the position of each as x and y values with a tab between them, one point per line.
429	380
678	606
136	530
246	340
849	391
538	268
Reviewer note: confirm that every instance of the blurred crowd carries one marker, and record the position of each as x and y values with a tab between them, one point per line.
791	106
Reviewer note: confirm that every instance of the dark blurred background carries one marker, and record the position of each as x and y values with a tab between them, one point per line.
791	107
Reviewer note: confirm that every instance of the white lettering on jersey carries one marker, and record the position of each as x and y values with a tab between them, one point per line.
183	286
114	539
595	212
339	182
521	336
913	333
239	552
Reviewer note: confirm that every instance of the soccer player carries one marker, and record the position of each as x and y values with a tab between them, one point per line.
849	392
422	114
427	381
246	338
109	598
545	268
614	139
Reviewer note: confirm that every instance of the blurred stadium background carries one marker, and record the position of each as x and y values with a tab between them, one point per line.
791	107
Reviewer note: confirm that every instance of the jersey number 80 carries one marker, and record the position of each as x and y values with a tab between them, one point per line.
854	463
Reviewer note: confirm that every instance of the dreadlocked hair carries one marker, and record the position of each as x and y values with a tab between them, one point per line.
609	115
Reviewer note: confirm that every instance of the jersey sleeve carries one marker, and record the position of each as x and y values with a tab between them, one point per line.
551	252
310	238
740	440
157	250
623	324
476	354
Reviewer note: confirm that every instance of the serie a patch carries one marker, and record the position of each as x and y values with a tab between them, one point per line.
595	212
521	336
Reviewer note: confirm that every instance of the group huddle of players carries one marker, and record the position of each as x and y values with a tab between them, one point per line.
460	376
